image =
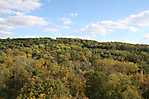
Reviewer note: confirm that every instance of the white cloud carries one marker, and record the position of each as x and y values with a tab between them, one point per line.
13	14
66	21
4	34
140	20
13	6
27	21
12	22
146	36
74	14
94	28
132	23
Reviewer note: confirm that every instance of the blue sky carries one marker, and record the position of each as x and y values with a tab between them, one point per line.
101	20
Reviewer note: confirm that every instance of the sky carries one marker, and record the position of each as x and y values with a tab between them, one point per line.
101	20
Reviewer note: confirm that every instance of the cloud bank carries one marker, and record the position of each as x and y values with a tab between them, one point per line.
131	23
14	13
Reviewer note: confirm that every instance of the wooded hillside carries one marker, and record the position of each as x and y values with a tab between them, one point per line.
65	68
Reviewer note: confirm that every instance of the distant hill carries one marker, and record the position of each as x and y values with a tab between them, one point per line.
66	68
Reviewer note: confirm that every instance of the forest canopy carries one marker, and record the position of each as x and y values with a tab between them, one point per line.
66	68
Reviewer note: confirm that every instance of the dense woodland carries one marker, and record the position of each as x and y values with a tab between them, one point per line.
65	68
